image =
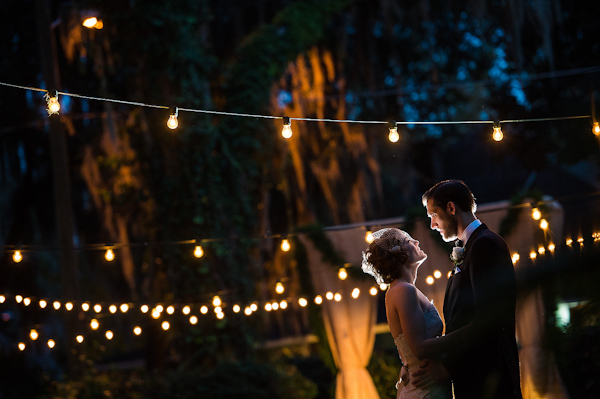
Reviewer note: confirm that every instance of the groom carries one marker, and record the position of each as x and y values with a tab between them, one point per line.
480	292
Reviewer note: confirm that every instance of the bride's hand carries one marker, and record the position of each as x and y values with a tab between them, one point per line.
428	374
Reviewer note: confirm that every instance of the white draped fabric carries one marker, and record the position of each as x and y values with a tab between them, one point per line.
350	322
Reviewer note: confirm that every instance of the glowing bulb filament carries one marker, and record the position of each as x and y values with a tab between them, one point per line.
52	102
536	214
393	136
90	22
198	252
369	236
596	128
342	273
172	123
279	288
286	132
497	134
17	257
109	255
285	245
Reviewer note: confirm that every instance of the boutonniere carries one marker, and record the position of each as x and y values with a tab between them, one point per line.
457	256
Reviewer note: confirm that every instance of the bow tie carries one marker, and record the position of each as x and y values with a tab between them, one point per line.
459	243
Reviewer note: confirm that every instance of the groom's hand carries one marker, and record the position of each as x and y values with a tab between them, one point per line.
429	373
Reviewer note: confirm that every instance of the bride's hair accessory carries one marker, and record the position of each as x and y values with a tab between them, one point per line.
386	254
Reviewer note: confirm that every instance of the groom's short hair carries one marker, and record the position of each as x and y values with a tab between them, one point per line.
451	190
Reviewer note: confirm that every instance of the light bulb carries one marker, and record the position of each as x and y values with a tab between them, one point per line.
109	335
318	299
43	303
165	325
17	256
21	346
124	307
515	258
109	255
198	252
543	224
596	128
337	297
171	309
373	291
52	103
33	334
497	134
94	324
90	22
286	132
56	305
355	293
51	343
236	308
429	280
216	301
172	123
536	214
369	236
79	338
69	306
112	309
551	247
204	309
193	320
137	330
285	245
342	273
283	304
279	288
437	274
393	136
186	310
302	302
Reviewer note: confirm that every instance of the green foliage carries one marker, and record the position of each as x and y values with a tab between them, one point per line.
384	368
225	381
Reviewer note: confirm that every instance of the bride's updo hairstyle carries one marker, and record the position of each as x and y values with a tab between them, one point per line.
386	255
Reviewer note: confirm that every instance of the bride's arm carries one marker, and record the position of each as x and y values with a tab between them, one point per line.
405	300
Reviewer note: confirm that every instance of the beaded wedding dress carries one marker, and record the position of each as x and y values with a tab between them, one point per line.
406	390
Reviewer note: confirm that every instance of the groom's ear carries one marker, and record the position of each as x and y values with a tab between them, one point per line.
451	208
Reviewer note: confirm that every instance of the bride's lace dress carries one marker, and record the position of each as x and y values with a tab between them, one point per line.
433	328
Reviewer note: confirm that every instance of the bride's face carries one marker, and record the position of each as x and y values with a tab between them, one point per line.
415	254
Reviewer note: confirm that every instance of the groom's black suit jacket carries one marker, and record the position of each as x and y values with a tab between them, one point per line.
483	293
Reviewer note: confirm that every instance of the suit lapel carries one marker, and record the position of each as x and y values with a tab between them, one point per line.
464	265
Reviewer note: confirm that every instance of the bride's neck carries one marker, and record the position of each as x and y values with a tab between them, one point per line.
409	275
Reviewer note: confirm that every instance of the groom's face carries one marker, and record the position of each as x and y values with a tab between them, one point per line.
442	221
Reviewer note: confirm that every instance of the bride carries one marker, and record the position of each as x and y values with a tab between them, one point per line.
393	258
